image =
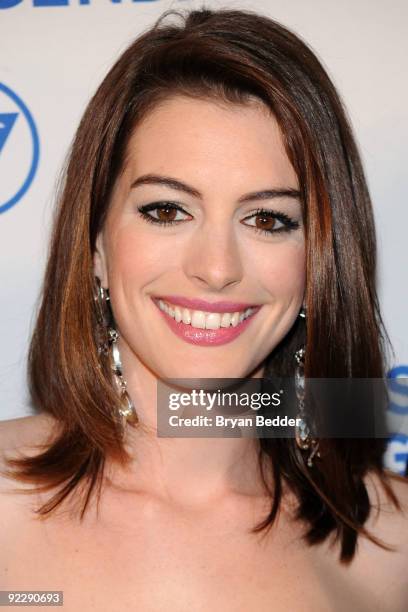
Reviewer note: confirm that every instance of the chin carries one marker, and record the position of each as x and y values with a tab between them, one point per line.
210	370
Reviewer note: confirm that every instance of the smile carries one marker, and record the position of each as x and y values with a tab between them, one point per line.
204	320
204	327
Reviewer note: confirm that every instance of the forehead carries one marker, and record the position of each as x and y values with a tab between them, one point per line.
206	140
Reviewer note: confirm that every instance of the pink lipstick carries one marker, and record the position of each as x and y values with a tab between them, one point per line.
196	304
206	337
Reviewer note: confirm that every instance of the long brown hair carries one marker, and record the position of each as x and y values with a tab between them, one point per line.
228	55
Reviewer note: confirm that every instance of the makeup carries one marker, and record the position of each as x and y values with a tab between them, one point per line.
219	324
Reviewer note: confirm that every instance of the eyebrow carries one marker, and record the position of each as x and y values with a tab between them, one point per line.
167	181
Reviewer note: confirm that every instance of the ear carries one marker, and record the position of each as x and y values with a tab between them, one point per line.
100	264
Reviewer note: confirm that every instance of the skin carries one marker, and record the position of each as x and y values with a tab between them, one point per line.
215	253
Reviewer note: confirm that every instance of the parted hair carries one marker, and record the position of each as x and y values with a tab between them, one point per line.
229	56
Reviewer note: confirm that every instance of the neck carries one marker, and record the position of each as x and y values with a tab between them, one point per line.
182	470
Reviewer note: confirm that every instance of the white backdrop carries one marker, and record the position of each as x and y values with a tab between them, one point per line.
54	53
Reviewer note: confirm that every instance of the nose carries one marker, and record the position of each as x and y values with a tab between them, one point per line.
212	260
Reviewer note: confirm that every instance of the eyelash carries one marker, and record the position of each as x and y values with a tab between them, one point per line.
289	224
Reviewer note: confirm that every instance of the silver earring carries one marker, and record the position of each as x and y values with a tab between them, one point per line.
108	345
303	436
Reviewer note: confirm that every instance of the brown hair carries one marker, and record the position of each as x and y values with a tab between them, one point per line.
228	55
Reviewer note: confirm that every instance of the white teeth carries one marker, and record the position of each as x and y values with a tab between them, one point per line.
186	316
213	320
198	319
177	314
204	320
226	319
235	319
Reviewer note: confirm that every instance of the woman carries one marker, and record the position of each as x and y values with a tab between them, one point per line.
214	196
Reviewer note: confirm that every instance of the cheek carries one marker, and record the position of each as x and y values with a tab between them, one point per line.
136	258
281	267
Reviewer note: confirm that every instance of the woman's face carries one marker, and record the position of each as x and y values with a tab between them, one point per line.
199	234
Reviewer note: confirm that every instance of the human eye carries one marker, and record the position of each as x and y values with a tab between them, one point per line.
271	222
163	213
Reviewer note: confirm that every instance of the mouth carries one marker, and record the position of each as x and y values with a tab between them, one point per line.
206	327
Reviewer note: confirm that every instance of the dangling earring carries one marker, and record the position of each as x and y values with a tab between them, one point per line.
108	345
303	436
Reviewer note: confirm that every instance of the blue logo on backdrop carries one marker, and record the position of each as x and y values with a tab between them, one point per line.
396	457
5	4
18	166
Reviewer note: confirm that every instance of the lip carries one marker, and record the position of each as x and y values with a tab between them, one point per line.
197	304
206	337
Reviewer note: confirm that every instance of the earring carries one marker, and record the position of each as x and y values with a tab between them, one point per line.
108	345
303	436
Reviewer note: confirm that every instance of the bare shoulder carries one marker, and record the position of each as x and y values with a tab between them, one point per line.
386	517
19	438
23	437
26	432
386	568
